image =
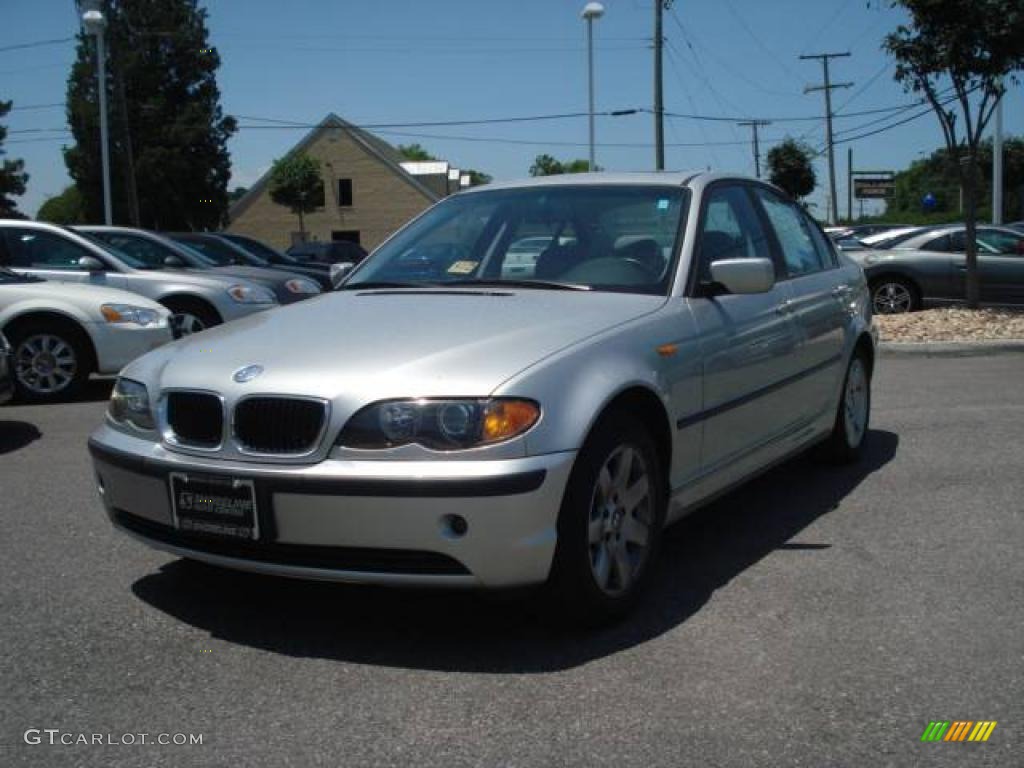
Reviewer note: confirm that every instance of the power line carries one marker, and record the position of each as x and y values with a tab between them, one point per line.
36	44
446	123
26	107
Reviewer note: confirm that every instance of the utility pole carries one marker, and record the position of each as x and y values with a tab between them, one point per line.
997	165
659	107
849	184
754	125
828	86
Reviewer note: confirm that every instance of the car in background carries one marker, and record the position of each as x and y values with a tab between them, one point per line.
224	252
6	370
930	265
477	430
164	253
860	231
328	252
1017	225
196	301
891	238
60	333
274	257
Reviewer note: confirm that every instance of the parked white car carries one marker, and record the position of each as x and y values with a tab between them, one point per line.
196	301
60	333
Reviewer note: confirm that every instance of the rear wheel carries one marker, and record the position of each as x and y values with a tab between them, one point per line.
894	296
190	316
610	523
51	360
846	443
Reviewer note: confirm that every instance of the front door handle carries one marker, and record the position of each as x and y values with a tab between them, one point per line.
784	307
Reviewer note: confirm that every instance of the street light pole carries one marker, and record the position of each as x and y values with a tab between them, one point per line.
591	11
95	23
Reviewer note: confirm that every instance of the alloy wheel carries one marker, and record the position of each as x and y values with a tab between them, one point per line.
185	324
45	364
621	515
855	402
892	299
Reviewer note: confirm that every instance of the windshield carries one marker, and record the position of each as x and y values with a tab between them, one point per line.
122	256
220	253
607	237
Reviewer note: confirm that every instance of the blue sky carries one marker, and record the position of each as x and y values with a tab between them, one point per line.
415	61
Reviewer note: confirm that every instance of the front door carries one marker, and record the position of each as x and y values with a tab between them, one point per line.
749	342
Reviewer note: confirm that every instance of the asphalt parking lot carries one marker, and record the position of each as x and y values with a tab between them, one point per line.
818	616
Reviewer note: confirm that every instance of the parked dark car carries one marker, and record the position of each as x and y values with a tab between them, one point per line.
931	266
223	251
330	252
274	256
165	253
6	371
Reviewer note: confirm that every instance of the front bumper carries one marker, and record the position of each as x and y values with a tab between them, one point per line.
359	521
117	344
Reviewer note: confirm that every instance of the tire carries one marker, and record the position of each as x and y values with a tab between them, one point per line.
190	316
52	360
894	296
846	443
599	534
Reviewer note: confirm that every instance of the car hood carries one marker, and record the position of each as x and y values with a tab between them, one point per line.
371	345
88	297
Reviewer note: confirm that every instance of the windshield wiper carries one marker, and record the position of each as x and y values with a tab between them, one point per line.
544	284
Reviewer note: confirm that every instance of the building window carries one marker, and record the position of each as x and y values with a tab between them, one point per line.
346	235
345	193
319	198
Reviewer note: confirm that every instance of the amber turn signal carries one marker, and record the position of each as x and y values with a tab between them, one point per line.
507	418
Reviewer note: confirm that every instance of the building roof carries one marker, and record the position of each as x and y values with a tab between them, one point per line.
389	157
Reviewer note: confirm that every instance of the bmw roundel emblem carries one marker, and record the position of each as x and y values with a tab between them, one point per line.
248	373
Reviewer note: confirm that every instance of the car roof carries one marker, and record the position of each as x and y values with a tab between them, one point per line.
603	178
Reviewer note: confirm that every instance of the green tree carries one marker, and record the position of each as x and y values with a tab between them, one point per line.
65	208
415	153
295	183
972	45
12	175
546	165
168	135
791	167
476	178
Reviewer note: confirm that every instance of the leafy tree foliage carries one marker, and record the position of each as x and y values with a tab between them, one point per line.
295	182
168	135
237	194
12	175
65	208
791	167
415	153
546	165
972	45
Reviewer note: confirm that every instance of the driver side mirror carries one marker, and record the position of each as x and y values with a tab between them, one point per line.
744	275
339	272
173	262
91	264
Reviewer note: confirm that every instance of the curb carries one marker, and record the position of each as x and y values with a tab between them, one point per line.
950	348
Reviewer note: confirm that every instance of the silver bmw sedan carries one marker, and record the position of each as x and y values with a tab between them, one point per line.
524	385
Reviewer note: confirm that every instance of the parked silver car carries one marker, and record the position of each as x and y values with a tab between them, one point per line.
450	425
196	301
931	266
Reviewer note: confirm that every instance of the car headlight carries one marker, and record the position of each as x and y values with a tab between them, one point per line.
251	294
129	404
442	425
128	313
305	287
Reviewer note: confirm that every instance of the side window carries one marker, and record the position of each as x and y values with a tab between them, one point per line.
148	253
1002	242
957	243
822	244
731	229
794	234
42	250
938	245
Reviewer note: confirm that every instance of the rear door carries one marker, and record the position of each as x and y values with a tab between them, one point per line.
1001	265
819	294
749	342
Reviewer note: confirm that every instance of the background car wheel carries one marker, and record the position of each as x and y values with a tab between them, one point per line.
190	316
846	443
610	524
893	296
51	361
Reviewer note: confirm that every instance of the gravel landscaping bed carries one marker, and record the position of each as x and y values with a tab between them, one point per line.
952	324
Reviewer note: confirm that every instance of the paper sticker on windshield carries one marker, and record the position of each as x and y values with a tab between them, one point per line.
462	267
663	204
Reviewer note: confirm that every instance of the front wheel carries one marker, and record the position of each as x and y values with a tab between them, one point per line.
846	443
894	296
51	361
610	523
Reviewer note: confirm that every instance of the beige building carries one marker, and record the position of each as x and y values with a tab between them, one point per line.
369	191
